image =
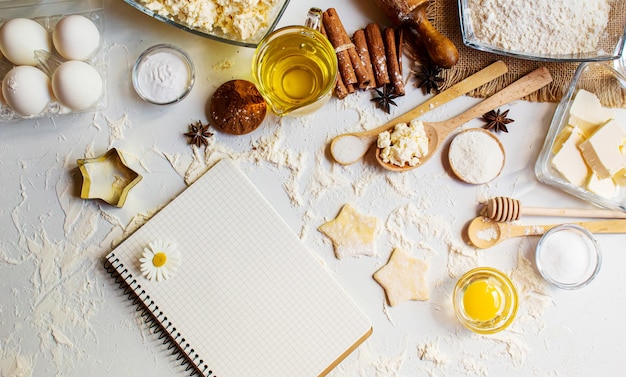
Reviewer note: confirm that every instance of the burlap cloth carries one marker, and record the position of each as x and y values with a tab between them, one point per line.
444	15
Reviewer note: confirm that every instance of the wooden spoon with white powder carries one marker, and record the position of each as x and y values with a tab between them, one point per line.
348	148
437	132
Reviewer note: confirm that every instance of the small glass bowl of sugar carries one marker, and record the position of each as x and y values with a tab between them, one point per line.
568	256
163	74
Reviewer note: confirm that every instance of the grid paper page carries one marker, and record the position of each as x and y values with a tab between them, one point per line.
249	297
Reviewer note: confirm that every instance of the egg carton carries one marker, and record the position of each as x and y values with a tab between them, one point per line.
48	14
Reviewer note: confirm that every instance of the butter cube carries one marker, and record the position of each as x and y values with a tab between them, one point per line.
620	177
604	187
561	138
587	107
602	150
587	128
569	162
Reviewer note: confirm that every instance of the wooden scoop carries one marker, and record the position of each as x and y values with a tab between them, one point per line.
439	131
354	140
502	208
484	232
413	13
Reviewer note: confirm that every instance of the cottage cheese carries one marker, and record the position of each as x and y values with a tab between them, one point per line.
405	145
241	19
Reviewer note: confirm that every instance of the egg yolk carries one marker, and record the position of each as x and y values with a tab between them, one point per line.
159	259
481	301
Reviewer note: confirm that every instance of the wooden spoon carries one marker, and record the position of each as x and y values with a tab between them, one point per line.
348	148
437	132
484	232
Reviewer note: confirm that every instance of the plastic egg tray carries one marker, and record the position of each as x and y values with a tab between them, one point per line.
48	15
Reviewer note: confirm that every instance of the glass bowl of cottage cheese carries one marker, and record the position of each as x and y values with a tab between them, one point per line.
239	22
546	30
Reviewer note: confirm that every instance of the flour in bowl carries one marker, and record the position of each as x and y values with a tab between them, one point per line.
241	19
546	27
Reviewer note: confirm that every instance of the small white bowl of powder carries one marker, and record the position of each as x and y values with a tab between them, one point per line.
568	256
476	156
163	74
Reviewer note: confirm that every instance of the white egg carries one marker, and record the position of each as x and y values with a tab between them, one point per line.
26	90
76	37
20	38
77	85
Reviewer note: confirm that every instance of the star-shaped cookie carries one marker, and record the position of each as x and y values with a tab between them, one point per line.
352	233
403	278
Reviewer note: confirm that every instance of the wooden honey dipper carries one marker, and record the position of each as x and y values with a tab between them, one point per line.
502	208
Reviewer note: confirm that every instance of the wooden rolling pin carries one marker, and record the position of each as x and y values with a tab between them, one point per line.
502	208
413	13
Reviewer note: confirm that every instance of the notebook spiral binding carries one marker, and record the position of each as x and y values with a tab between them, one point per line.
156	320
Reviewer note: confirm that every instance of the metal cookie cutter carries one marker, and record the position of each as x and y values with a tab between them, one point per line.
107	178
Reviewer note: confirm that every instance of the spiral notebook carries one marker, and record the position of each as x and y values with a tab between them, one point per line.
249	299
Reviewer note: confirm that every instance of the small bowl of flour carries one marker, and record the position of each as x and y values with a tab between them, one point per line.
163	74
476	156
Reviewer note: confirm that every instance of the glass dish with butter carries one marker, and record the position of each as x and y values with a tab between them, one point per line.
584	153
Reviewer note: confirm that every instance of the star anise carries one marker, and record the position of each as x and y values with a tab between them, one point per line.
429	78
496	120
199	134
385	98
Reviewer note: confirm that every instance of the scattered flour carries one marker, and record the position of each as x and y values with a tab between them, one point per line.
547	27
431	352
368	362
116	128
16	365
473	367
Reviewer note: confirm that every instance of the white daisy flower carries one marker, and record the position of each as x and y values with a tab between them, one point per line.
160	260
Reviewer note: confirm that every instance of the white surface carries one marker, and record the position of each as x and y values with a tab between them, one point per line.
61	314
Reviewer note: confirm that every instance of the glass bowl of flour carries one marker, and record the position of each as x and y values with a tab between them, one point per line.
545	30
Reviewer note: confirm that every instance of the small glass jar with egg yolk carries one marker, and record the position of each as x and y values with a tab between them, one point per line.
485	300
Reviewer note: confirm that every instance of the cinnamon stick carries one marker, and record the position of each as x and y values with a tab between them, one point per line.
376	48
343	59
340	88
360	44
400	44
393	65
341	41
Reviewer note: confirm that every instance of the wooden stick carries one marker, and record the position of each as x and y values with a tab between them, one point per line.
361	48
393	65
376	48
341	41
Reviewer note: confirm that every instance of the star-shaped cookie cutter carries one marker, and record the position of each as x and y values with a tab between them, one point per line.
107	177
